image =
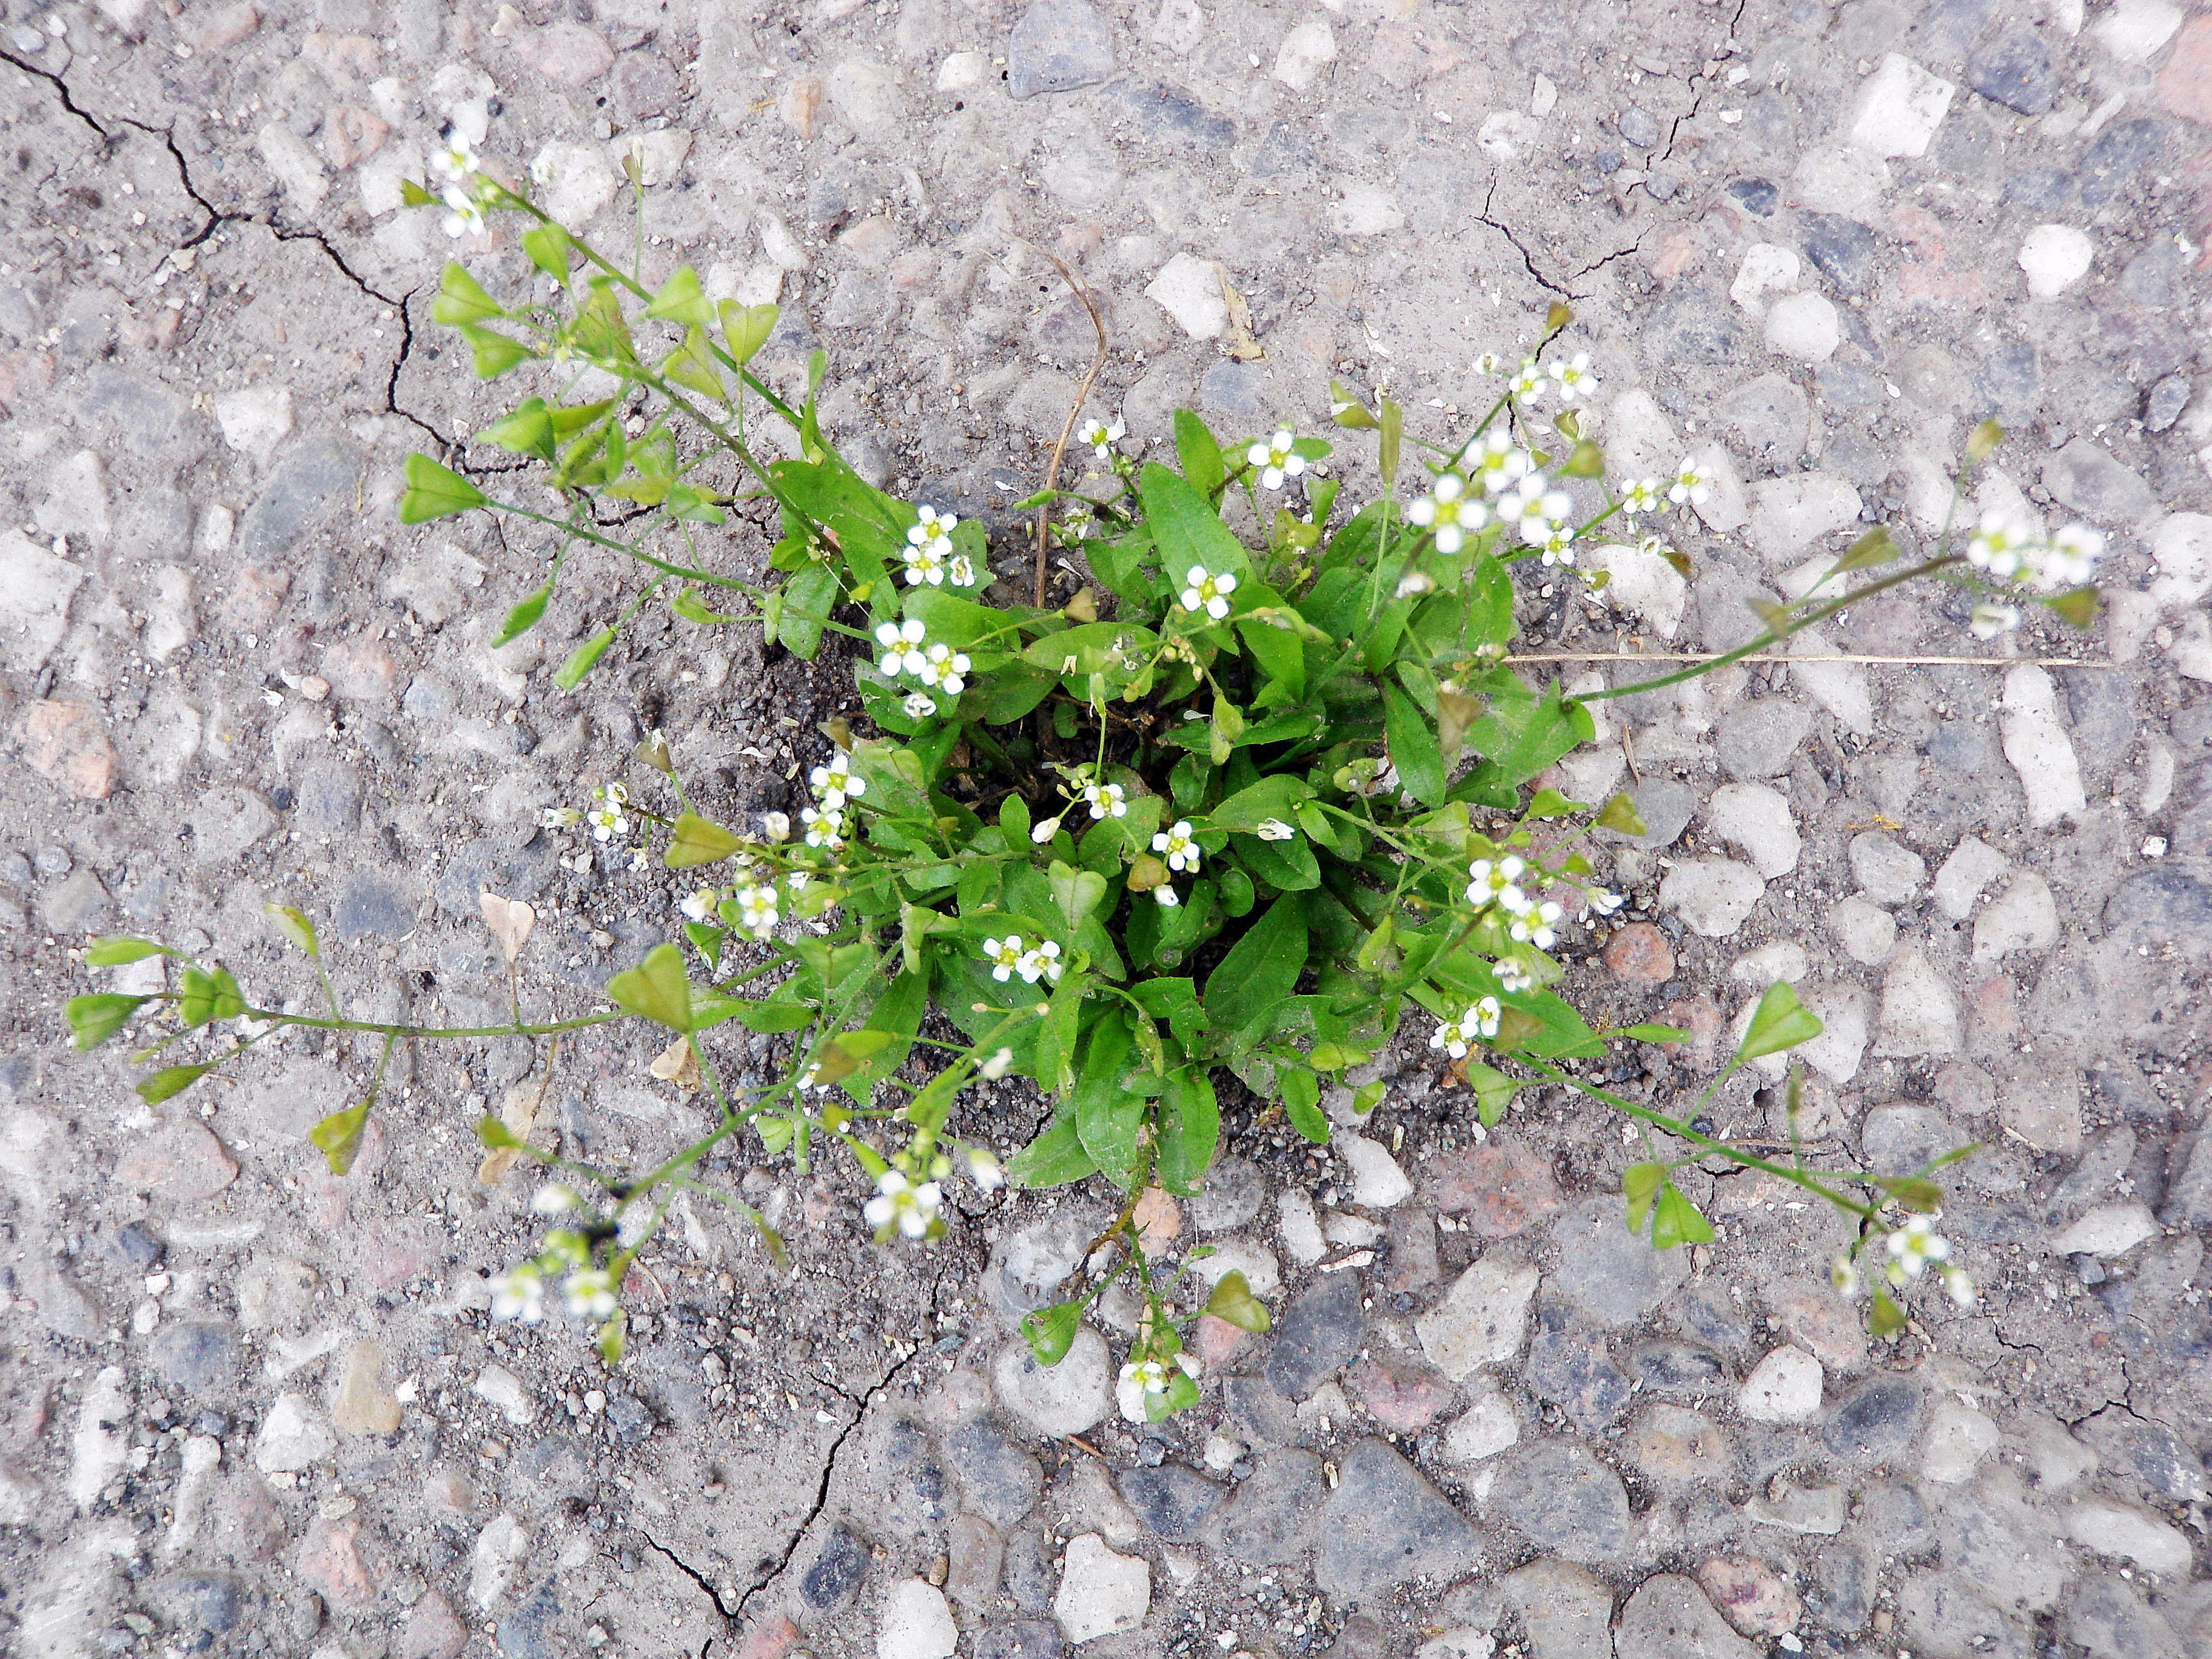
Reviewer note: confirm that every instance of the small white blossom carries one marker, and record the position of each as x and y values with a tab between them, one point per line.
463	216
1533	507
902	644
1480	1020
456	158
1276	459
1041	961
606	816
983	1165
700	905
1535	926
1100	436
1990	619
922	564
589	1294
1042	833
560	818
1204	591
2071	558
995	1067
1105	800
1492	878
1640	496
944	670
1912	1247
1488	363
1528	382
1274	830
1181	852
1999	542
553	1199
1958	1286
1513	973
1150	1375
519	1293
1005	956
1845	1275
961	569
1690	484
919	705
1166	896
1448	511
899	1202
825	828
1574	378
756	909
1494	460
1606	902
1558	545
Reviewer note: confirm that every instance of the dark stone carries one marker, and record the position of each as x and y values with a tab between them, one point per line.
307	485
1947	29
1689	323
2164	1460
1757	196
553	1472
1565	1501
136	1245
196	1359
835	1577
1877	1422
367	903
2163	404
1241	392
1027	1572
1171	1500
1708	1311
1168	114
527	1632
1318	1332
1025	1638
1638	127
2009	383
1384	1524
1268	1520
1058	46
1000	1479
1841	1588
2167	904
1260	1415
1672	1367
1841	249
1568	1367
198	1600
329	801
1285	150
2040	190
2015	69
630	1418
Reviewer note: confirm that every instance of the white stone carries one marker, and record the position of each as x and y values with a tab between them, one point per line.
1377	1180
101	1443
1643	584
573	181
1788	513
2055	258
1834	180
1463	1642
1782	1388
1726	508
1959	1438
502	1542
1300	1228
1639	439
36	590
292	1437
1843	1011
168	616
2112	1527
1783	960
2108	1229
1888	871
503	1389
782	247
1543	96
1486	1428
1188	289
2022	918
2181	548
1919	1012
1804	326
255	420
1767	268
867	95
962	71
1481	1321
2134	30
1864	929
1840	688
915	1622
1305	50
2038	747
75	502
1055	1399
1506	134
1817	1511
1972	866
296	166
1713	896
1756	819
1100	1592
1900	106
1365	209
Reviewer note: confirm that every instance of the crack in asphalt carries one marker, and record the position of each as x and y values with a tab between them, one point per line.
218	218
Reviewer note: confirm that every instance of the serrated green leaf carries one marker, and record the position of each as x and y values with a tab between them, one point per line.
435	492
338	1137
1053	1159
656	989
1781	1022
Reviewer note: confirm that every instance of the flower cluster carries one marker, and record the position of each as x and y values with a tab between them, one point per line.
1009	957
1205	591
914	1210
929	553
2007	546
1911	1250
1480	1020
1690	486
1573	378
1105	800
939	667
1498	882
456	164
587	1291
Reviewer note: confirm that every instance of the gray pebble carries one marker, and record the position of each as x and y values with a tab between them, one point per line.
1690	324
1027	1572
1000	1480
1660	1367
1058	46
75	904
1165	114
53	860
1269	1519
1283	151
199	1600
2087	478
304	487
835	1577
526	1632
1568	1367
1385	1524
1258	1412
1639	127
1317	1333
1841	249
2161	905
1758	195
14	869
1238	392
2008	383
1234	1192
1615	1277
1024	1638
1665	805
328	802
195	1358
1878	1421
370	904
1670	1618
1769	416
1842	1587
2163	406
1563	1500
1171	1500
2015	69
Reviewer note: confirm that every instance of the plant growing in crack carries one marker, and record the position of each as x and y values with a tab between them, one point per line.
1225	811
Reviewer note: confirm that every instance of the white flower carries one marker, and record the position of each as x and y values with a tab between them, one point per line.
2071	558
1513	973
823	829
1041	961
1999	543
811	1078
1449	511
961	570
1274	830
995	1067
1534	925
1101	437
1958	1286
1494	460
1574	379
898	1200
923	564
1165	896
1148	1374
1174	841
1990	619
606	817
463	216
1042	833
1414	581
519	1293
553	1199
1480	1020
1005	956
1690	485
919	706
1488	363
756	909
1536	506
1527	381
901	643
1206	591
1604	903
1845	1277
1277	460
1489	879
932	523
560	818
1105	800
700	906
945	668
983	1165
1558	545
1912	1247
589	1294
456	158
1640	496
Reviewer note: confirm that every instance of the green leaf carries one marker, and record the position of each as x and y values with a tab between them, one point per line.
1109	1116
1201	455
1872	549
1185	527
435	492
116	948
688	604
1386	451
174	1080
656	989
1916	1192
679	300
1413	746
338	1137
584	659
610	1343
1587	460
413	195
1227	726
523	618
1076	892
1620	815
1550	804
1190	1128
209	995
1640	1185
293	923
1983	440
495	1134
494	352
461	299
1050	1332
1780	1023
1181	1394
1262	969
1675	1220
745	329
1493	1092
695	841
1302	1100
1653	1034
93	1019
1280	653
691	365
1053	1158
2076	606
548	247
1884	1316
1232	1301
